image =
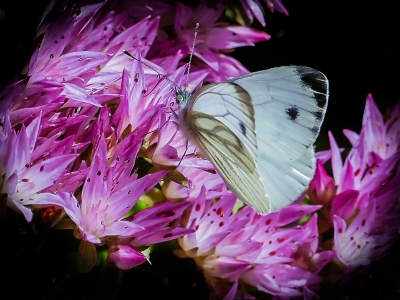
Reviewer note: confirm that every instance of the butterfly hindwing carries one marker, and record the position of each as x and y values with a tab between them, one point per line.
284	181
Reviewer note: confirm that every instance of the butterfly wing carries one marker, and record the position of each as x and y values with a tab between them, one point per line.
272	117
289	108
229	104
219	119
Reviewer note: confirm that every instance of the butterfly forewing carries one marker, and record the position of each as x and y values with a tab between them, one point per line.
231	105
289	105
229	156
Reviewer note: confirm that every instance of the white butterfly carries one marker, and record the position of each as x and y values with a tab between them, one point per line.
258	130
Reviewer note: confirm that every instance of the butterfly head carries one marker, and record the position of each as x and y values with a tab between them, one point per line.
182	97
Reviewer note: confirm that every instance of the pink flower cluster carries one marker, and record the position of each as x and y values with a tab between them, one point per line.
264	253
87	119
362	199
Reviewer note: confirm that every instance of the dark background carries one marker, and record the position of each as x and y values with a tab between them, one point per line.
354	44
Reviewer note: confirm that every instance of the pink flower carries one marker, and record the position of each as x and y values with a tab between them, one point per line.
256	251
125	257
212	39
197	179
253	8
361	199
108	194
28	167
160	223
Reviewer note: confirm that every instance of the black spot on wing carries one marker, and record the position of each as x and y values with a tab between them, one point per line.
243	128
318	114
315	130
315	81
292	113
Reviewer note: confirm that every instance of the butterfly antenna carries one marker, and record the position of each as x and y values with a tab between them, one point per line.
147	65
196	30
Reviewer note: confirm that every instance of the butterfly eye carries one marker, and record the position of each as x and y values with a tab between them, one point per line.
179	98
182	97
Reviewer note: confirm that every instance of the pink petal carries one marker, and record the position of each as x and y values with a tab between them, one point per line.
345	204
123	229
78	94
27	212
352	136
125	257
225	267
337	164
78	63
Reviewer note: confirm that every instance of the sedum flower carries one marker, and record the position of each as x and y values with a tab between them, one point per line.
88	118
362	198
28	167
160	223
260	252
253	8
109	193
213	38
